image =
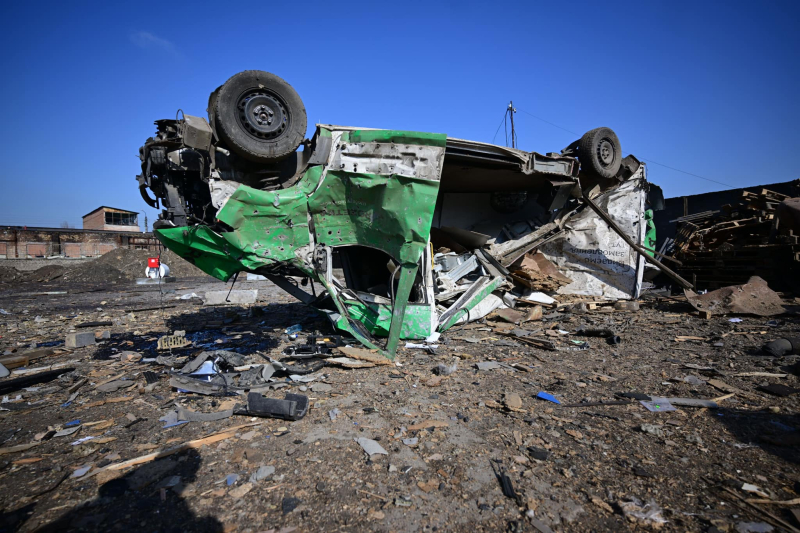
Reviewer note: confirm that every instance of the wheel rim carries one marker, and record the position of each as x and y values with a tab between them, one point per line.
262	114
606	153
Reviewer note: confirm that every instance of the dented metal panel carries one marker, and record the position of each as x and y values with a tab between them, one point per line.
599	262
369	198
380	191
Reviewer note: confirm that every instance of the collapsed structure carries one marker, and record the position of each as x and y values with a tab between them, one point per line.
754	236
409	233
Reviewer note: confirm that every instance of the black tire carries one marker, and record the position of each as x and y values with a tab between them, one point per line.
600	153
259	116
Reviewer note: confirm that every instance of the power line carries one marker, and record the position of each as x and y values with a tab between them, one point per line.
502	120
548	122
689	173
645	159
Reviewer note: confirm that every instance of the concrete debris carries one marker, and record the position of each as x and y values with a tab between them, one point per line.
649	514
513	401
446	370
263	472
233	297
370	446
652	429
79	339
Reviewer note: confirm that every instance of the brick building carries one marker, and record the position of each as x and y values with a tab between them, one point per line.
21	242
111	219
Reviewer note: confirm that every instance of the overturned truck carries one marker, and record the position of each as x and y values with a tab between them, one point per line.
409	233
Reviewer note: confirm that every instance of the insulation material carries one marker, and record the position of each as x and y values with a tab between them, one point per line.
597	260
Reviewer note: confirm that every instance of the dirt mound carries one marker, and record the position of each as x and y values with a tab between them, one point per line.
9	274
93	273
45	273
132	263
117	265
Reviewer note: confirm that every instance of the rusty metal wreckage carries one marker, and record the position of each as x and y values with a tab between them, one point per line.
409	233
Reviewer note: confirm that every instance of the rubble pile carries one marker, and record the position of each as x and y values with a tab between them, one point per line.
128	406
756	237
131	263
116	266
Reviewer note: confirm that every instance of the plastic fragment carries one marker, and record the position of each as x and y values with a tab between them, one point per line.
547	396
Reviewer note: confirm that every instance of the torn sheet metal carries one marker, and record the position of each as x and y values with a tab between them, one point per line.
597	260
382	194
376	217
364	191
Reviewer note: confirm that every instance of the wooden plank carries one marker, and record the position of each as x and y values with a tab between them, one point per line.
192	444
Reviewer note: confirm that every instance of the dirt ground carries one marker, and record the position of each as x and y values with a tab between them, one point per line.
567	467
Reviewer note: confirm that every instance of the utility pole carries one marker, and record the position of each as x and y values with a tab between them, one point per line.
511	112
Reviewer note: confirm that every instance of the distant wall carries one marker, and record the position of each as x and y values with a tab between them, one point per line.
19	242
33	264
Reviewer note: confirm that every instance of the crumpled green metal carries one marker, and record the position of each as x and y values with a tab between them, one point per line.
391	213
204	248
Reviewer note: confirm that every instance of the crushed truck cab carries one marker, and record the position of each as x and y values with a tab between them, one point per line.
409	233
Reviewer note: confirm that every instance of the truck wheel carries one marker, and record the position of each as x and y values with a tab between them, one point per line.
600	152
259	116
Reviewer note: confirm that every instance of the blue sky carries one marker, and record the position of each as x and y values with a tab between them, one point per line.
706	87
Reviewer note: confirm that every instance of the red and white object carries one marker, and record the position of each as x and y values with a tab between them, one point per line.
155	269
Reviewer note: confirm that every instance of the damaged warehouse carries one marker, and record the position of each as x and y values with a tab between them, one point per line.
409	233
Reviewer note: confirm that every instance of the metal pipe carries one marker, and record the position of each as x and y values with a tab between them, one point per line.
652	260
